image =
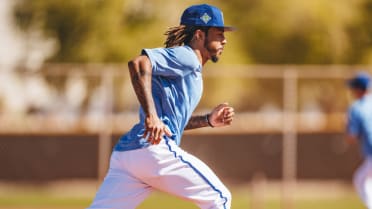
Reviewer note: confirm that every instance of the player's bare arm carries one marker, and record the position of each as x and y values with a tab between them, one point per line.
221	115
198	121
141	73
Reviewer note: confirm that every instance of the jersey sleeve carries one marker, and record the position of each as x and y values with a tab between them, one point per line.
172	62
353	122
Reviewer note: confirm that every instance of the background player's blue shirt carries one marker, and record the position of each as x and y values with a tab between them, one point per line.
360	123
177	87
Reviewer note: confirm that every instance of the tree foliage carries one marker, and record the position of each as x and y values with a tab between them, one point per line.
303	32
85	30
270	32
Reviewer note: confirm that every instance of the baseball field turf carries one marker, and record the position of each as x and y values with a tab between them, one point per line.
78	195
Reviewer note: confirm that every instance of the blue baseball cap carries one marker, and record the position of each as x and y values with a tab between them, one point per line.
360	81
204	15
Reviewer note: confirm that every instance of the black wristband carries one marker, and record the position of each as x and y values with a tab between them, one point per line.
207	119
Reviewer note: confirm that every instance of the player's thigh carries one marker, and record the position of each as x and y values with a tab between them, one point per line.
119	190
189	178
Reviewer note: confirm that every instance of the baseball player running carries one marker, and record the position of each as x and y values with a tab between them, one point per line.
359	129
168	84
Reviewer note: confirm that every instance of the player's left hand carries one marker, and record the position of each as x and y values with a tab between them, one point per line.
221	115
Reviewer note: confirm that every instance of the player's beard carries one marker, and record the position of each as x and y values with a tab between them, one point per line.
214	58
213	53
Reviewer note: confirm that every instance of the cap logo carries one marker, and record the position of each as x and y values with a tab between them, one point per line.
205	18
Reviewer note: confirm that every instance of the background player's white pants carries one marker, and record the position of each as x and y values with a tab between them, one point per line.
134	174
363	182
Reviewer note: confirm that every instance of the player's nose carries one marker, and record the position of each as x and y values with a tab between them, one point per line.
224	41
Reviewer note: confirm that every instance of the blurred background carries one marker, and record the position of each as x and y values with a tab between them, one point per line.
65	98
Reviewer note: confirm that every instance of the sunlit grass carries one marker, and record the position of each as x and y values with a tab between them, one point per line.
242	199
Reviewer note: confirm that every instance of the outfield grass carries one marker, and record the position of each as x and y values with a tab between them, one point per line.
315	198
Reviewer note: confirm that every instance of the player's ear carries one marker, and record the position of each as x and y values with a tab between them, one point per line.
199	35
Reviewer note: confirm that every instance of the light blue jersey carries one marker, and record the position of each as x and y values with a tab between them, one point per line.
177	87
360	123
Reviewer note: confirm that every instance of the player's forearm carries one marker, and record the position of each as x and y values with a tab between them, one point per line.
199	121
140	74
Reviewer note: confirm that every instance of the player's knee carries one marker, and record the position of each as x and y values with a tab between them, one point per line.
221	200
224	201
228	197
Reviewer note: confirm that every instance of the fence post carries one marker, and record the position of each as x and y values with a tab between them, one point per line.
289	129
104	141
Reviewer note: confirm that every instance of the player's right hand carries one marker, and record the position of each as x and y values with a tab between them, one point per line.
155	129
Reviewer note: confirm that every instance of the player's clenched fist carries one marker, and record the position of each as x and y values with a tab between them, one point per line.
155	129
221	115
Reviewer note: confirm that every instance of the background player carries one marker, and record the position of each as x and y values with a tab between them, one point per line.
168	84
359	129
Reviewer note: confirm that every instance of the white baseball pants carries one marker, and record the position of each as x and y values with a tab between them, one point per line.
133	175
363	182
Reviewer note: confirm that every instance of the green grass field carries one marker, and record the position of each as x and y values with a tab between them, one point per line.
314	197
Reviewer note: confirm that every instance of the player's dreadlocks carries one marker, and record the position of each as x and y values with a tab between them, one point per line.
180	35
